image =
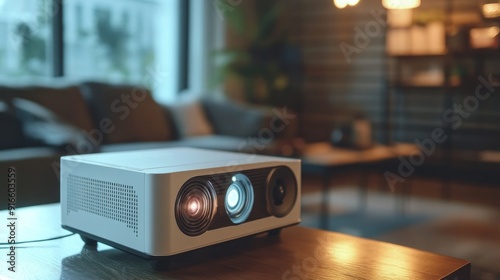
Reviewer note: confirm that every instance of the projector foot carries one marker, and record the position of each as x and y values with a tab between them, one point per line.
88	241
161	264
275	232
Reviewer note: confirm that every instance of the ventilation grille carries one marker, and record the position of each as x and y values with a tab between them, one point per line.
114	201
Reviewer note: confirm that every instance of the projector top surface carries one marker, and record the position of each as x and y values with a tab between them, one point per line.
172	159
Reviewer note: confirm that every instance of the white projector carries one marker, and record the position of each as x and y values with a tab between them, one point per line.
160	203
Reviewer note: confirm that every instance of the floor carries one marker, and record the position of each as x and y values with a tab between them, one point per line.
465	224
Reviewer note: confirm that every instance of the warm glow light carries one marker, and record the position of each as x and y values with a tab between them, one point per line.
340	3
344	3
493	31
491	10
345	251
393	261
400	4
490	32
193	207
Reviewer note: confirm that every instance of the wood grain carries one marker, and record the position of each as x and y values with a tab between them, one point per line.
298	253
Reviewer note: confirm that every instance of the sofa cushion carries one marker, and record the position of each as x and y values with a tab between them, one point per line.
218	142
66	102
13	136
45	127
234	119
190	119
126	113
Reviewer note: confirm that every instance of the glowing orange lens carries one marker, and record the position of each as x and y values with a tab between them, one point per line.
193	207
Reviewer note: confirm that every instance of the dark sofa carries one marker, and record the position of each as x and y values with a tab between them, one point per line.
40	124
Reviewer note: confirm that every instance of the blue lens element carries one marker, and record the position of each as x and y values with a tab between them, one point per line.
233	197
239	198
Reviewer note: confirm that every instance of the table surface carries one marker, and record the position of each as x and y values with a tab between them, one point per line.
324	154
297	253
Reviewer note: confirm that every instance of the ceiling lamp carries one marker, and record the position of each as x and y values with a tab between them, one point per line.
400	4
344	3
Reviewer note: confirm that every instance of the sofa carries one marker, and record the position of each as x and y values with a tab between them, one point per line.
41	123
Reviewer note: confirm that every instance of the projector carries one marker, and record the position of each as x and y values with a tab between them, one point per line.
164	202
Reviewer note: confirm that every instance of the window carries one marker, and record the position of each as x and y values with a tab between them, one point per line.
132	41
26	38
162	45
119	41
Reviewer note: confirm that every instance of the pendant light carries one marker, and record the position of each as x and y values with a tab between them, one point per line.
400	4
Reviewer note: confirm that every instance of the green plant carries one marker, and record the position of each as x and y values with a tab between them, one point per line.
261	57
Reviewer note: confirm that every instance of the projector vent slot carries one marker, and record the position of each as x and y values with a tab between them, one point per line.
114	201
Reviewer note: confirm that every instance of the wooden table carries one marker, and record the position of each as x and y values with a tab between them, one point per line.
325	154
298	253
327	160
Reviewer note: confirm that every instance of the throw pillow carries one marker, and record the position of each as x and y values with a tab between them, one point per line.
190	118
126	113
42	126
66	102
249	120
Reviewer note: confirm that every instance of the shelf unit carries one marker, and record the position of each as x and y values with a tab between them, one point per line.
452	85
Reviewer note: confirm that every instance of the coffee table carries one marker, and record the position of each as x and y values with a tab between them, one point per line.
297	253
327	161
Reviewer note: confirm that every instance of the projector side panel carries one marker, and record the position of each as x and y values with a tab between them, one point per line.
103	201
164	236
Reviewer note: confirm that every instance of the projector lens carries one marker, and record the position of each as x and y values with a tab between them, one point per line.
239	198
195	207
279	192
282	190
233	197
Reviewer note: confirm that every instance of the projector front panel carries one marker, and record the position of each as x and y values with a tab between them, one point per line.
168	239
104	201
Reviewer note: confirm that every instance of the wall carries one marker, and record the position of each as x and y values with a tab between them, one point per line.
344	72
338	87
